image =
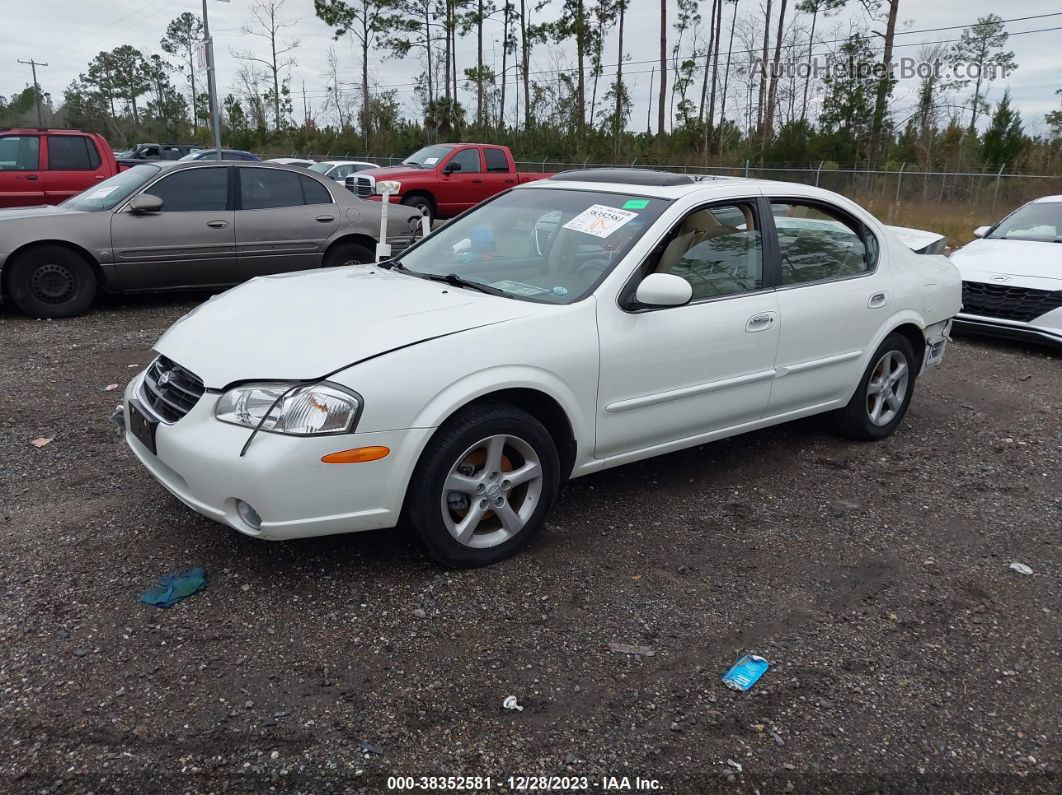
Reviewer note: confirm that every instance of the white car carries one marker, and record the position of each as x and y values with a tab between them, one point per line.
1012	275
339	170
561	328
301	162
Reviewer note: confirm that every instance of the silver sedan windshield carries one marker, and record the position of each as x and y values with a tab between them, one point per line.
110	192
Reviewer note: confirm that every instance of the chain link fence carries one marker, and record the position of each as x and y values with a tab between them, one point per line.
991	191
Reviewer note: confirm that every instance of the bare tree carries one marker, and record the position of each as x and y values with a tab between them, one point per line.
340	99
661	113
266	23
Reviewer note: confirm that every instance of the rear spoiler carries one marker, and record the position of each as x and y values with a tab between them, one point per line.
920	241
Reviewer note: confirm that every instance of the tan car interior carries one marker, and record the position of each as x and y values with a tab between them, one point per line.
715	258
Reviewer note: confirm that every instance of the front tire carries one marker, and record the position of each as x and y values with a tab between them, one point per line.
422	204
884	393
52	282
484	485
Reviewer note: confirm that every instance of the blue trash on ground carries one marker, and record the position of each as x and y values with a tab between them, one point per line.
745	672
172	588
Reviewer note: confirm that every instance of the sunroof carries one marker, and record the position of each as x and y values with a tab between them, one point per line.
629	176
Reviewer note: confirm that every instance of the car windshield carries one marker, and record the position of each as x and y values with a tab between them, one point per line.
1041	221
320	168
428	157
111	191
537	244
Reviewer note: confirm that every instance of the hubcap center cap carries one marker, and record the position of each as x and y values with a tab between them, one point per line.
493	491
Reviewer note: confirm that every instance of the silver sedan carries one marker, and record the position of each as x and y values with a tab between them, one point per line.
196	225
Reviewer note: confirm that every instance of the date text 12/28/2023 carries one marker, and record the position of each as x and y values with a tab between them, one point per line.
523	783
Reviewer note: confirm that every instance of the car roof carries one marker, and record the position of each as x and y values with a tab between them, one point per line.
173	165
1047	199
346	162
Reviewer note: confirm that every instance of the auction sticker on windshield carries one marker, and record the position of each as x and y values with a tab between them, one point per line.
600	220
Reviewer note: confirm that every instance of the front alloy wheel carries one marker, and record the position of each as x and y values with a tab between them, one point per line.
492	491
884	393
484	485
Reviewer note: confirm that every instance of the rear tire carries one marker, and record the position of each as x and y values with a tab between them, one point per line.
347	254
883	395
483	486
423	205
52	282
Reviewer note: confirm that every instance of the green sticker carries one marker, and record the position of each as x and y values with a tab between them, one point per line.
636	204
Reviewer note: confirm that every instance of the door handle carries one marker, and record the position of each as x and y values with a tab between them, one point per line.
32	177
510	180
877	301
217	224
477	181
325	219
760	322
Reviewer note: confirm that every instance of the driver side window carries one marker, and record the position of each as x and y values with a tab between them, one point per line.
717	249
469	160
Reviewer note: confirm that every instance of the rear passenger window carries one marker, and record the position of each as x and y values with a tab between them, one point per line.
264	188
496	160
313	192
817	243
19	153
72	153
718	250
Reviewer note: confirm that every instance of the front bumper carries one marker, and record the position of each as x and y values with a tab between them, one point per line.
1008	329
281	477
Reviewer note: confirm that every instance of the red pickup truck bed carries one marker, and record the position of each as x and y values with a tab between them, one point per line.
446	179
40	166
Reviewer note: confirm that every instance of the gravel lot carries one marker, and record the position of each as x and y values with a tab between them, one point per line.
905	655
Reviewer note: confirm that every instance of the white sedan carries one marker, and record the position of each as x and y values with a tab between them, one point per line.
561	328
1012	275
339	170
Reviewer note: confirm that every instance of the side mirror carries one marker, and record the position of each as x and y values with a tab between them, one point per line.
663	289
145	203
451	167
981	231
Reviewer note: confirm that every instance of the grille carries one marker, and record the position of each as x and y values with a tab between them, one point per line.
1009	303
170	390
363	186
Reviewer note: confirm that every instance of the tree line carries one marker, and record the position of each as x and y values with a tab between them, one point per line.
772	82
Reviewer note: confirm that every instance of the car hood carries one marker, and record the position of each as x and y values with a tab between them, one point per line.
393	172
304	326
1018	258
40	211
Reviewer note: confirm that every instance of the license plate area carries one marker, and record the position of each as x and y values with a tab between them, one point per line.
142	426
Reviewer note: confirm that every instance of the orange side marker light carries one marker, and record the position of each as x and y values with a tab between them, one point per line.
359	455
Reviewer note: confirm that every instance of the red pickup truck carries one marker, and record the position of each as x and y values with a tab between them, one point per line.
443	180
40	166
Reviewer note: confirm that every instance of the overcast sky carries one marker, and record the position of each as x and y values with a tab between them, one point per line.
68	33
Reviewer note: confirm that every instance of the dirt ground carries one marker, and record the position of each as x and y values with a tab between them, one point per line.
905	654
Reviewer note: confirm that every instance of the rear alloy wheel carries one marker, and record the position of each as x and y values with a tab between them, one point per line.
884	393
484	485
348	254
53	282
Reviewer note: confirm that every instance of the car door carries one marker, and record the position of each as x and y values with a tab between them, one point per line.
189	243
679	372
459	190
833	299
20	175
73	164
283	221
500	173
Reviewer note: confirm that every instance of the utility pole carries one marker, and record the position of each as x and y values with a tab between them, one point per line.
32	64
215	117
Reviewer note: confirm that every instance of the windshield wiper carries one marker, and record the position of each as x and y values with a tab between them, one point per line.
459	281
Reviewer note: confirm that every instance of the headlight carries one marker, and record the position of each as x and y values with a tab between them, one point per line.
306	409
392	186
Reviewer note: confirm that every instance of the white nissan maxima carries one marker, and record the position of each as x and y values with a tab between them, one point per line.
564	327
1012	275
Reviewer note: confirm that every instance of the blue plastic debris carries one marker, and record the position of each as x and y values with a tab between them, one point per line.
745	672
172	588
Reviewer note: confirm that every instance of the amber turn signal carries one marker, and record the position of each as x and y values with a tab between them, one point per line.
358	455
